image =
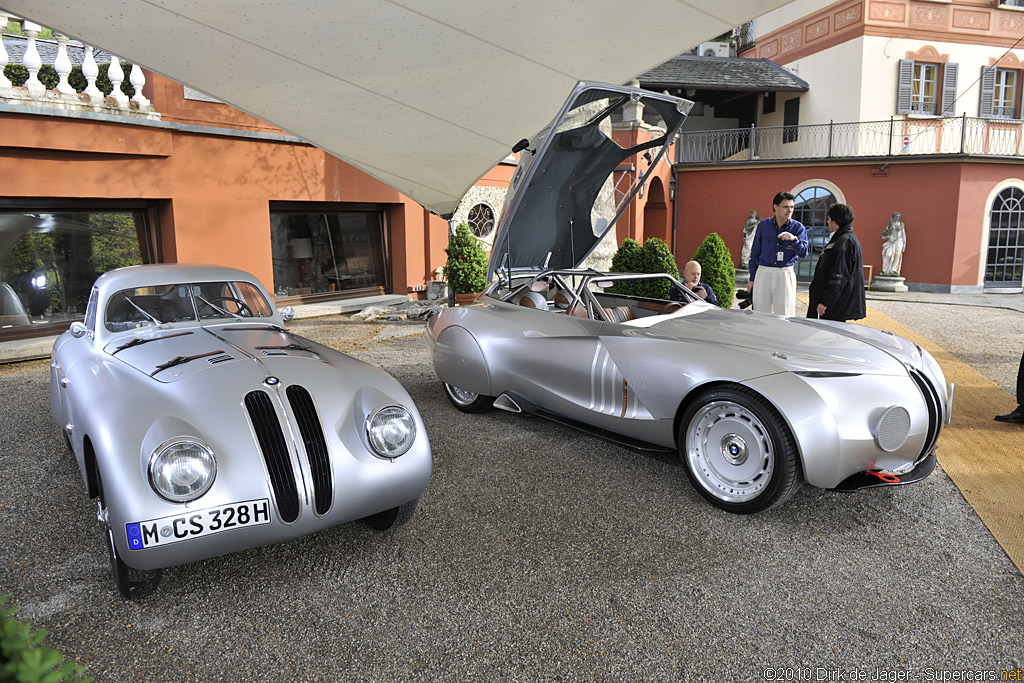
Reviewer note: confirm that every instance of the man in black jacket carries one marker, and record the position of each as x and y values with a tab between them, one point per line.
837	290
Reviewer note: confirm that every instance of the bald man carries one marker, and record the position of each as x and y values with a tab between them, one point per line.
691	278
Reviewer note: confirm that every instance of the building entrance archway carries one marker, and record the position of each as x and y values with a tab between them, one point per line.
812	205
1004	264
657	218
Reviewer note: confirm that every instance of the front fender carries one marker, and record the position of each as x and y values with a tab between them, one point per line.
810	420
835	432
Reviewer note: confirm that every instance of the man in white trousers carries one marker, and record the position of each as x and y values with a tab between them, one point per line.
779	242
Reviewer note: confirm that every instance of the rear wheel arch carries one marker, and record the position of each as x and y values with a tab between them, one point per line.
459	361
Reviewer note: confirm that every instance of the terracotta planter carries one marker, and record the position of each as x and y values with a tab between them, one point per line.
463	299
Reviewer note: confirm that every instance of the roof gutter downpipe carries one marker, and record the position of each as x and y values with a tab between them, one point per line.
451	234
673	188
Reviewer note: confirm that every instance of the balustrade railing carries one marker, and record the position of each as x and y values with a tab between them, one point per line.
87	95
961	135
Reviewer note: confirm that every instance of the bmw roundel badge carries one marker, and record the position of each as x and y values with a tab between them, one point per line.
271	381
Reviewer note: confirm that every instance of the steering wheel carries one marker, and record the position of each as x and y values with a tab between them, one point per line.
670	307
243	308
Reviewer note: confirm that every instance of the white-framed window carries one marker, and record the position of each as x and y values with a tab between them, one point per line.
1000	93
1004	103
926	88
924	91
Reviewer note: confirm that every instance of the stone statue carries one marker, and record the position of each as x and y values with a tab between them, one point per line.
749	228
894	241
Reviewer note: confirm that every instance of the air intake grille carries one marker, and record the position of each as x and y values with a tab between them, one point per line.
316	447
933	402
892	430
275	453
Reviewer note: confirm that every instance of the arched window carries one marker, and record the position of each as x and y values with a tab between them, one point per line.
812	204
481	220
1005	263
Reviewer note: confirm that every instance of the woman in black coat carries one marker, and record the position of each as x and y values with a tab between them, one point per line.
837	290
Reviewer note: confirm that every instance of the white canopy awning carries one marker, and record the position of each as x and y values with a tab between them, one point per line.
425	95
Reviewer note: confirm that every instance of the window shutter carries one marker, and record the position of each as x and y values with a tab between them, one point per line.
988	91
949	72
903	90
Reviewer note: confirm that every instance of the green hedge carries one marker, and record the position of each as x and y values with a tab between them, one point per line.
24	658
653	257
15	28
717	269
466	268
18	74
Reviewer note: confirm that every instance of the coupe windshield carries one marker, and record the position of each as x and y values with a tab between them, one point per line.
161	304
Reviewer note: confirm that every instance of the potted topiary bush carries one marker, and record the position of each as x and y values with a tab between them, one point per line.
466	269
653	257
717	269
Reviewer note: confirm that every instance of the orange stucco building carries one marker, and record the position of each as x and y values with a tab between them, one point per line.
212	174
194	180
189	179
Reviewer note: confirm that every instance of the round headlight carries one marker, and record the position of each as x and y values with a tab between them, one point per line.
391	431
182	470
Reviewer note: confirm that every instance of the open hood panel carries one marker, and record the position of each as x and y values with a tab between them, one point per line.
567	191
424	95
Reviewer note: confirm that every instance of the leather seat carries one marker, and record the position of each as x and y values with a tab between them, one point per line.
578	310
533	300
619	314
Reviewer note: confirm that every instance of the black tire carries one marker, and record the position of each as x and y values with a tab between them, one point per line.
739	453
467	401
393	518
133	584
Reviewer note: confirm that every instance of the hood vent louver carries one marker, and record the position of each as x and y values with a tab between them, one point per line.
316	447
275	453
220	359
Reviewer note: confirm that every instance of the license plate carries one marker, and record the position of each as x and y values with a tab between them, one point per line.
197	523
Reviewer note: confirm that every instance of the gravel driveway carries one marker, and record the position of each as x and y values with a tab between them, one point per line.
537	553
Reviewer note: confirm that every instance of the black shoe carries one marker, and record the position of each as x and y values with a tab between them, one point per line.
1016	416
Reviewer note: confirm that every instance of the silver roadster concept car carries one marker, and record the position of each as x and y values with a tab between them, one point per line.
203	427
753	403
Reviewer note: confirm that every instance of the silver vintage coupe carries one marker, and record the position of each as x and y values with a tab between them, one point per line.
753	403
203	427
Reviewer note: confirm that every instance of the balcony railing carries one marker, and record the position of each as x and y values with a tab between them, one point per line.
87	96
959	135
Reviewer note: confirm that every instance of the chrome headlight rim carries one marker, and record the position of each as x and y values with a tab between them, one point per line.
162	451
379	442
